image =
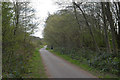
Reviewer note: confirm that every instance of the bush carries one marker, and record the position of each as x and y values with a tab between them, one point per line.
105	62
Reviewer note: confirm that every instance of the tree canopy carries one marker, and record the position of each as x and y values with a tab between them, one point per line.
85	29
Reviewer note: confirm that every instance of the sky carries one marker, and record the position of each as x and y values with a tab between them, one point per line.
43	7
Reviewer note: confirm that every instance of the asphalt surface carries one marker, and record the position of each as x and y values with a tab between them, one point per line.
57	67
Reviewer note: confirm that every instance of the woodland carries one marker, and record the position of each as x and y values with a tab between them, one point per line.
88	32
18	45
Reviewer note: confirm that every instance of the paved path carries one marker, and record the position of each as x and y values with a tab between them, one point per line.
59	68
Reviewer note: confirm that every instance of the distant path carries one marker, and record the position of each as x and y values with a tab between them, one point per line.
59	68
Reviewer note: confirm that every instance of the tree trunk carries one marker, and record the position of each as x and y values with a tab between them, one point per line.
119	18
111	22
25	21
118	35
80	29
117	32
16	17
105	28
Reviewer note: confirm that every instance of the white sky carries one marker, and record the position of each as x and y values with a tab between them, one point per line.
43	7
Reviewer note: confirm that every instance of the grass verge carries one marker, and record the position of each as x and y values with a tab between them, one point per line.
36	67
84	66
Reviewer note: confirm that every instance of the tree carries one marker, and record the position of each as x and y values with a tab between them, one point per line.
16	54
111	22
105	28
91	32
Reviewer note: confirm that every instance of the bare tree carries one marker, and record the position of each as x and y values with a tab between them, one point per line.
105	28
80	29
16	8
90	29
111	22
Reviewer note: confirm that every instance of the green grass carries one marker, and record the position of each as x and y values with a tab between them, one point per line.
36	67
84	66
41	46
